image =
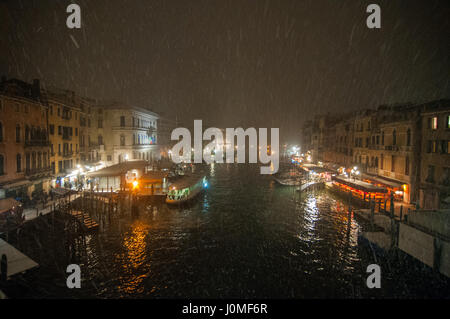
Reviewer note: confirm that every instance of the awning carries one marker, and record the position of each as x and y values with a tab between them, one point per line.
360	185
7	204
384	181
118	169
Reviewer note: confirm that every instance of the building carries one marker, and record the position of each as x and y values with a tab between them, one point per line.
165	127
435	155
128	132
64	126
24	145
393	151
403	148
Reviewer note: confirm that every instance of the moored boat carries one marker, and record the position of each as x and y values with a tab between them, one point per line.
186	188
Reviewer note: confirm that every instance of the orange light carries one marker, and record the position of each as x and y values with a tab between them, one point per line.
135	184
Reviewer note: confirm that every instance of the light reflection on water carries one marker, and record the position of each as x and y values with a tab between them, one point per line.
244	237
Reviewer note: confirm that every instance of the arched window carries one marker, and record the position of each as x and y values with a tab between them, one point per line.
394	137
17	133
19	162
2	165
408	137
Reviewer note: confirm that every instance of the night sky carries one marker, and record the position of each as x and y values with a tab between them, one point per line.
262	63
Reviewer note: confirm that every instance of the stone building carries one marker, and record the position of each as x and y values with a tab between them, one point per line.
24	146
63	126
435	155
394	150
129	132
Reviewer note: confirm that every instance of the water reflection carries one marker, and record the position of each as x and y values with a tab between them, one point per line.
134	260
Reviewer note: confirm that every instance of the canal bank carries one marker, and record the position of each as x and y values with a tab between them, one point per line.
245	237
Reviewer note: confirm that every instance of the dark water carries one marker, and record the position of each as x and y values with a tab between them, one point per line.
244	237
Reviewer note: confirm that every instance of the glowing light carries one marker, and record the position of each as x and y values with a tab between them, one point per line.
135	184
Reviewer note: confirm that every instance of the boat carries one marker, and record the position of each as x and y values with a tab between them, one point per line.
287	181
291	178
185	188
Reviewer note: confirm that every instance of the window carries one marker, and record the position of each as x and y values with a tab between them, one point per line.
446	177
408	137
109	158
434	123
100	140
393	163
2	165
1	105
381	161
434	146
122	140
430	175
122	121
89	122
1	132
59	112
407	165
100	123
76	131
444	147
448	121
59	130
52	129
382	138
394	137
17	107
18	134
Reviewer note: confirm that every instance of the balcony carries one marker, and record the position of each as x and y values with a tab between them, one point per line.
393	148
39	143
33	172
67	137
67	154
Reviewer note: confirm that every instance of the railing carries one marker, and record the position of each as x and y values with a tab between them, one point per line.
30	143
67	154
36	171
67	137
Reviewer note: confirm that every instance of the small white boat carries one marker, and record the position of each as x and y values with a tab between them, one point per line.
287	181
185	188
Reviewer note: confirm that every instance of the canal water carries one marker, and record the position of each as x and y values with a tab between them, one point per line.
244	237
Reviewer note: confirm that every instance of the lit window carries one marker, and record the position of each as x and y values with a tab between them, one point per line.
434	123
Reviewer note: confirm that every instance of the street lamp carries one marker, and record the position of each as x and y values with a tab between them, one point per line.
354	171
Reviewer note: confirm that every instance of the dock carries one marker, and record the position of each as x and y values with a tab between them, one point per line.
17	262
85	220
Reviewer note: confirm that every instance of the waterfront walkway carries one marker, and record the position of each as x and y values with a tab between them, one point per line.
34	212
